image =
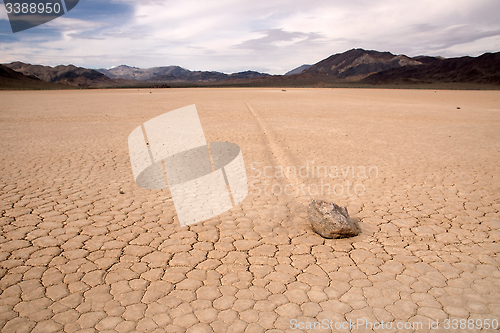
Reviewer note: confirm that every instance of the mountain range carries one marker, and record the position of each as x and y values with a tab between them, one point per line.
173	74
356	66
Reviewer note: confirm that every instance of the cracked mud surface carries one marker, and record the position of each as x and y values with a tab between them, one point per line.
76	255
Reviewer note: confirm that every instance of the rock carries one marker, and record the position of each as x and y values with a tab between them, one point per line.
331	221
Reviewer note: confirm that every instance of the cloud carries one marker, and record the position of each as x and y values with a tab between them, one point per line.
83	36
65	24
443	39
277	39
3	13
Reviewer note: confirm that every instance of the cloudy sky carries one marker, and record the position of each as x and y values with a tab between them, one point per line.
271	36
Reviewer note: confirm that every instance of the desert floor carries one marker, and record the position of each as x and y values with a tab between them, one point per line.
419	170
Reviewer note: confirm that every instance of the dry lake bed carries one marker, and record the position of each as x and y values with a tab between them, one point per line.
84	249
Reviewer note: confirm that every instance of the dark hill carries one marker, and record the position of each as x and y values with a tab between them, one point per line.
484	69
356	64
247	75
10	79
71	75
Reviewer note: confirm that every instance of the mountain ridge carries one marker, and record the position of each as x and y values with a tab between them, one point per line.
355	66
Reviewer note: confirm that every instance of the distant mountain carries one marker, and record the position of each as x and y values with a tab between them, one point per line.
184	75
10	79
123	71
133	73
298	70
357	64
484	69
173	74
247	75
71	75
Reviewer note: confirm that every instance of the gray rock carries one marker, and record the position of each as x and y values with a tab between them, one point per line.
331	221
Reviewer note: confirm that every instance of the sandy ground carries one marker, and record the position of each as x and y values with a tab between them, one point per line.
420	175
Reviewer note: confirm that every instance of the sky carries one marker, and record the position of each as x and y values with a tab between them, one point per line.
272	36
